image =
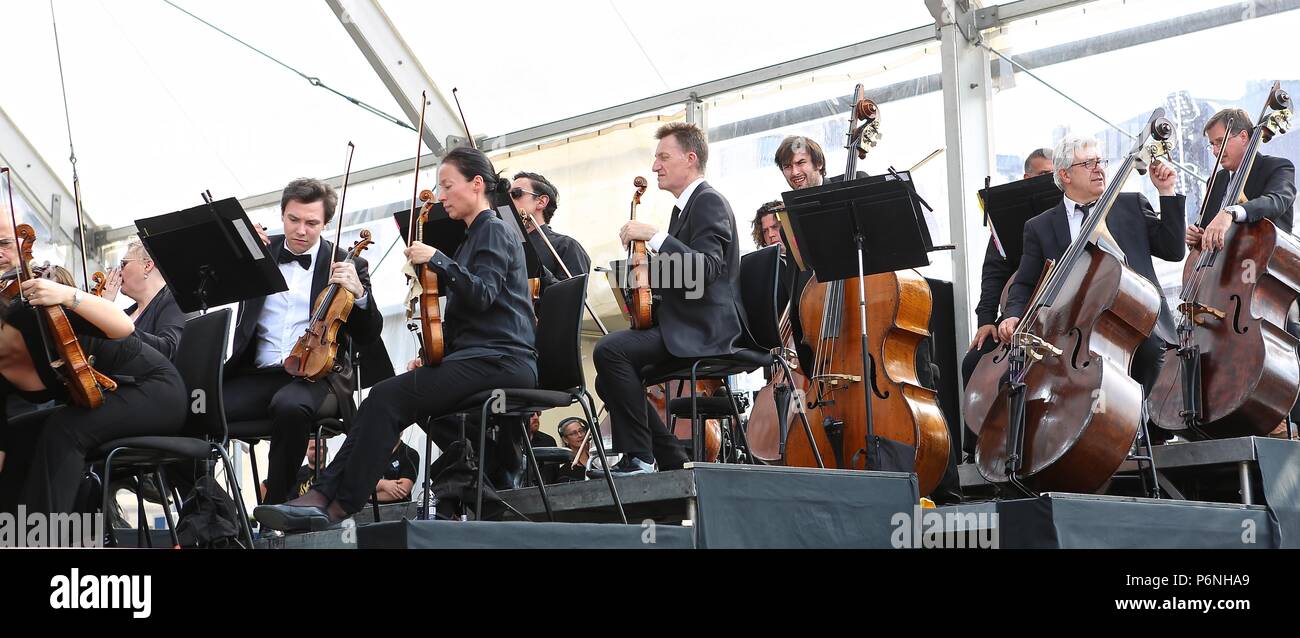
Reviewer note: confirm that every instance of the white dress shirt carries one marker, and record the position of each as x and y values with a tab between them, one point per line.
1075	217
286	315
658	240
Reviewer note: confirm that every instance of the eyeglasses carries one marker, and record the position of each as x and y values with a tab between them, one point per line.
516	193
1217	144
122	264
1092	164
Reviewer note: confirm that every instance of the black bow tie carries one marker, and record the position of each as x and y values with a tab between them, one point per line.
287	257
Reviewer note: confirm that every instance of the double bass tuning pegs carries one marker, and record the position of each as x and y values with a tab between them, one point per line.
1162	128
1279	99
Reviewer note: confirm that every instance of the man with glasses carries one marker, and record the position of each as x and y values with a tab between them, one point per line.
535	196
1137	229
1270	193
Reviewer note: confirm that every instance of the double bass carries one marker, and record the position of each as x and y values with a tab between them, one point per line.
1055	407
900	409
1236	372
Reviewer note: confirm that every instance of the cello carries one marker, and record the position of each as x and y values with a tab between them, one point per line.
1070	412
900	409
1237	373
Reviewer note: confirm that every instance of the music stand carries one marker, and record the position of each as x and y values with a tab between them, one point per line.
858	228
1009	206
210	255
447	234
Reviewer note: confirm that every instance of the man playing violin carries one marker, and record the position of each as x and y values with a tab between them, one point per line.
257	386
536	197
703	229
1140	233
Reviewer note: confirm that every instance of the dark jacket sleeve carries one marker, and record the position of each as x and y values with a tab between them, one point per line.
575	257
1278	194
993	278
1026	276
477	289
165	334
365	325
709	235
1165	232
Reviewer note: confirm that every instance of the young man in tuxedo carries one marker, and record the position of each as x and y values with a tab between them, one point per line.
694	319
256	385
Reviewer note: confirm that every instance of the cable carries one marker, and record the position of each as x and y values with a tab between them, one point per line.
311	79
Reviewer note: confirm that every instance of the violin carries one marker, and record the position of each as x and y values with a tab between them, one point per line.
638	297
423	314
313	356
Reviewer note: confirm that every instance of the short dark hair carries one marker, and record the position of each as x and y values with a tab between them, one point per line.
307	190
795	143
689	137
471	162
1240	122
756	227
543	186
1042	153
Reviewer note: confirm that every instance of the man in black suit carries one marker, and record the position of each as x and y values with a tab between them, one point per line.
536	196
1270	192
256	385
698	306
1135	226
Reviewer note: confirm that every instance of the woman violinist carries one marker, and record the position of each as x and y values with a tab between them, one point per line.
489	332
45	452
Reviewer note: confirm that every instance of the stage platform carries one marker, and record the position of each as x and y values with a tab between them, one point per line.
735	506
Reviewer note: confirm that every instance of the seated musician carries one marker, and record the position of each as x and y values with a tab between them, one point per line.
1270	192
256	385
45	457
159	322
994	276
1081	173
537	197
488	329
399	476
702	228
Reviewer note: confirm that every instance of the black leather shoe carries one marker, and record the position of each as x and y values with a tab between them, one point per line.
294	518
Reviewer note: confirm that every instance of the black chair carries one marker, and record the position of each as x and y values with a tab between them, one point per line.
760	293
561	383
371	365
203	437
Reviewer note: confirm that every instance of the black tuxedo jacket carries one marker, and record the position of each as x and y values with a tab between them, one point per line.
1270	192
1141	234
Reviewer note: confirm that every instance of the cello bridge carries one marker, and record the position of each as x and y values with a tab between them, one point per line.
1034	346
1196	312
834	380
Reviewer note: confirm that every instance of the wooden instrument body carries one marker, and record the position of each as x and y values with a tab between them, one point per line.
85	385
898	316
313	356
763	432
432	345
1249	375
1082	409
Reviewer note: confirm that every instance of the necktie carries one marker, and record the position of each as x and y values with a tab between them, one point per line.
672	221
288	257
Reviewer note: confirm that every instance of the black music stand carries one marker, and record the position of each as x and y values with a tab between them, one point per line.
858	228
1009	206
210	255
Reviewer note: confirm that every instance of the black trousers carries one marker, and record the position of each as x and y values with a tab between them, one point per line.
292	405
49	453
408	398
638	429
